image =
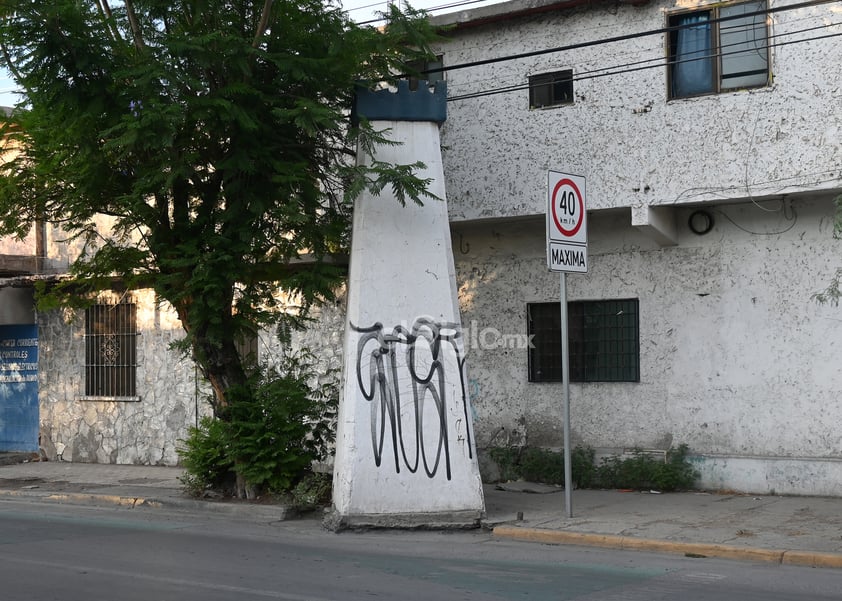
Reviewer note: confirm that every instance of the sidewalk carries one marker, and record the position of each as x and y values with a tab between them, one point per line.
792	530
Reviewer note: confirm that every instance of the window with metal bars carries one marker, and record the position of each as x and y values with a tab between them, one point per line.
111	350
603	335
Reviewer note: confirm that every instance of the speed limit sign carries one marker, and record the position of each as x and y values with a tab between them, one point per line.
567	227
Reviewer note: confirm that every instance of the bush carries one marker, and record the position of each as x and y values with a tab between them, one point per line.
541	465
204	457
312	491
507	459
640	471
273	430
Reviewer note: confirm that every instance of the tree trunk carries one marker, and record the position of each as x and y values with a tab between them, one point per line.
221	364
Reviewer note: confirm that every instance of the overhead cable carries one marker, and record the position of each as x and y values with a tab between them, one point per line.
625	37
655	63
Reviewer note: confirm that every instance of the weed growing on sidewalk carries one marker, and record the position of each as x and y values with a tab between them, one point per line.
638	471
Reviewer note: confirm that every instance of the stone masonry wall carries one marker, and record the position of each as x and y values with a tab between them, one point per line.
143	432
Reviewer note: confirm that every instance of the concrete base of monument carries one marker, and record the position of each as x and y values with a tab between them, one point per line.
440	520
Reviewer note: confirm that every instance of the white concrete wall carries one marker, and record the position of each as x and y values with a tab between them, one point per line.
10	245
634	146
737	361
736	358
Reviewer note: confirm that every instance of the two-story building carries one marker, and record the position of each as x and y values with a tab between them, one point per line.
708	134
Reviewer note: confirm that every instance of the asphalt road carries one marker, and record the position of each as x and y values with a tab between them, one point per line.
71	553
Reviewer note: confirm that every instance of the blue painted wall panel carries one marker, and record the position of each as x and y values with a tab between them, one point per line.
18	388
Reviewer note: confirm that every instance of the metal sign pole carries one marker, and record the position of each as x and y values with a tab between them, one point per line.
565	375
567	251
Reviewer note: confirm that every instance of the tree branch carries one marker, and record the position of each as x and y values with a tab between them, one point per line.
264	23
135	25
108	17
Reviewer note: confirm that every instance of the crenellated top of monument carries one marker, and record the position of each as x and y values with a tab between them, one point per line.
427	103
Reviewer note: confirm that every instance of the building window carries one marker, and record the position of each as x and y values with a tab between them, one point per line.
422	67
551	89
603	336
718	49
111	350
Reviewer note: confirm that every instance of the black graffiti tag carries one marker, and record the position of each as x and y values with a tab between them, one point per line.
415	356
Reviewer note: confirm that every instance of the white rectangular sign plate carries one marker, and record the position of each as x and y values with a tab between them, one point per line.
567	223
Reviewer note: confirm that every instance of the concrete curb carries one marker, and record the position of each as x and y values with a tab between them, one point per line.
781	556
269	513
81	498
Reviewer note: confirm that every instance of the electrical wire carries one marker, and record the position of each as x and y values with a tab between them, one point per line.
793	220
426	10
653	63
625	37
721	191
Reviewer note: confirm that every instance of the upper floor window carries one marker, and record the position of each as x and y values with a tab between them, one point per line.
718	49
435	68
111	350
551	89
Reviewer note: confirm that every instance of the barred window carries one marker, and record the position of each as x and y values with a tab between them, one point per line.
603	335
111	350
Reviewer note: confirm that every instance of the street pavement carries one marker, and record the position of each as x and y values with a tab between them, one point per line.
790	530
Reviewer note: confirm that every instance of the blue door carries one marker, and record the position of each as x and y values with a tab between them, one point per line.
18	388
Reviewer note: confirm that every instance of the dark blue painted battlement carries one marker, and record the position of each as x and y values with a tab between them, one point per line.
405	104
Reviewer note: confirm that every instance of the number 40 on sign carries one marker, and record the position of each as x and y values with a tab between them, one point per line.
567	229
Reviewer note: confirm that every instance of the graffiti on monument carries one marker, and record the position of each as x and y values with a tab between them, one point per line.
405	375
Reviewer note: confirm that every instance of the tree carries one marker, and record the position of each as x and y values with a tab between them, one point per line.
217	138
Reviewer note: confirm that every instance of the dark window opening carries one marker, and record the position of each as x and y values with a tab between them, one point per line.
435	68
551	89
603	335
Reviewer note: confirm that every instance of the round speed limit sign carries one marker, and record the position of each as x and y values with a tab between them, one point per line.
567	227
567	206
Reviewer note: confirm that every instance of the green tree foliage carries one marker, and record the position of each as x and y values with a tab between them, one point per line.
215	135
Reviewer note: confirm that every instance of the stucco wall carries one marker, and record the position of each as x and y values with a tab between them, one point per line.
736	359
143	432
9	245
634	146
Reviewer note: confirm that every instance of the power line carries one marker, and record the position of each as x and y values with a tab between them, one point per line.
622	38
426	10
646	63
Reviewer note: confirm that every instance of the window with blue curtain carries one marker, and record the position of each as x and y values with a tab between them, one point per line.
718	49
692	55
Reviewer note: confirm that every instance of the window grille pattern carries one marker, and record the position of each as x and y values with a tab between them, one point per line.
111	350
603	337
